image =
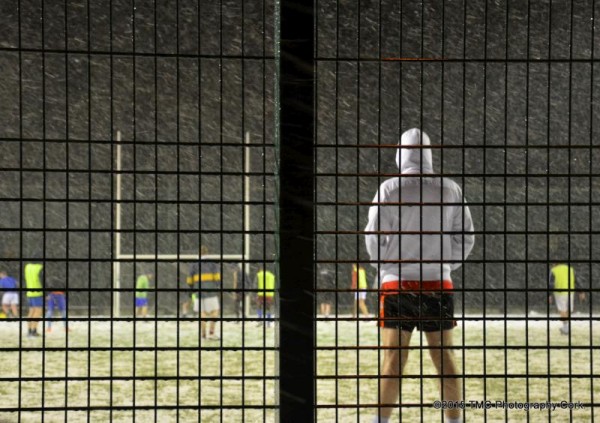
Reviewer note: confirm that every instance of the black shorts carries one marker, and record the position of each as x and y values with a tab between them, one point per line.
426	312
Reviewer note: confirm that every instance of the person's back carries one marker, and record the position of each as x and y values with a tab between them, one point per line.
265	283
563	278
205	276
8	284
141	286
210	277
428	231
33	281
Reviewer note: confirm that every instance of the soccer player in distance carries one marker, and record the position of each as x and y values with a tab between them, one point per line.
56	300
563	283
35	296
205	276
10	299
265	285
142	287
419	231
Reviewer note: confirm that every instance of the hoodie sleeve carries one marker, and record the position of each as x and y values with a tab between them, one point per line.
377	244
463	238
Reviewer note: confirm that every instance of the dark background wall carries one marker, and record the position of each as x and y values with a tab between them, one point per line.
511	105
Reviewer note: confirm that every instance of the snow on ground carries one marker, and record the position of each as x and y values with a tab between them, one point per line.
503	360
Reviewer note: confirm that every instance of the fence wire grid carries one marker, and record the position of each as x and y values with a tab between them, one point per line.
193	194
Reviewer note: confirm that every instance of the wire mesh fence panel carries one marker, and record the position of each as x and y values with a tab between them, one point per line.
500	97
289	210
137	195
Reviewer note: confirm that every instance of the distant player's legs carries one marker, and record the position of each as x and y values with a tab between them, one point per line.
260	309
443	360
49	312
203	317
35	313
394	361
564	305
268	303
10	303
326	308
189	302
144	311
62	307
213	323
209	308
363	307
15	309
239	305
141	307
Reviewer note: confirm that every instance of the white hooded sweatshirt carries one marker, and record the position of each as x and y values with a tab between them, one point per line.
426	231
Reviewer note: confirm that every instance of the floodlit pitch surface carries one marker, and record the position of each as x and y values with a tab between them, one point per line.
232	377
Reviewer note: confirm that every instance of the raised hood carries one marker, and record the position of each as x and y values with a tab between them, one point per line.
414	160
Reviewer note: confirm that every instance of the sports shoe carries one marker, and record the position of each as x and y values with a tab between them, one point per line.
213	337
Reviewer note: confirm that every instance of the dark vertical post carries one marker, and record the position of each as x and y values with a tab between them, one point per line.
296	210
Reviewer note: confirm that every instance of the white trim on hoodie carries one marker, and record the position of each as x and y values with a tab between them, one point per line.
426	231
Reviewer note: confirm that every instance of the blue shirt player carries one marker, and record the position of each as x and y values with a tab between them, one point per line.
10	299
56	300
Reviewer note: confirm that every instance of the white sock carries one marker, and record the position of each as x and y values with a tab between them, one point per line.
456	420
378	419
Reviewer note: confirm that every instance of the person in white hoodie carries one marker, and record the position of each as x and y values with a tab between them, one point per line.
419	231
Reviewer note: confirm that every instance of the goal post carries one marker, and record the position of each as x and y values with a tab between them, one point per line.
116	294
119	256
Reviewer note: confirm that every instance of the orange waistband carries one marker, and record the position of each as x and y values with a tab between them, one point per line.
58	292
417	286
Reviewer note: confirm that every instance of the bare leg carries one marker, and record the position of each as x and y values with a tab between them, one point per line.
564	318
363	307
30	314
213	323
203	316
443	360
394	361
34	313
